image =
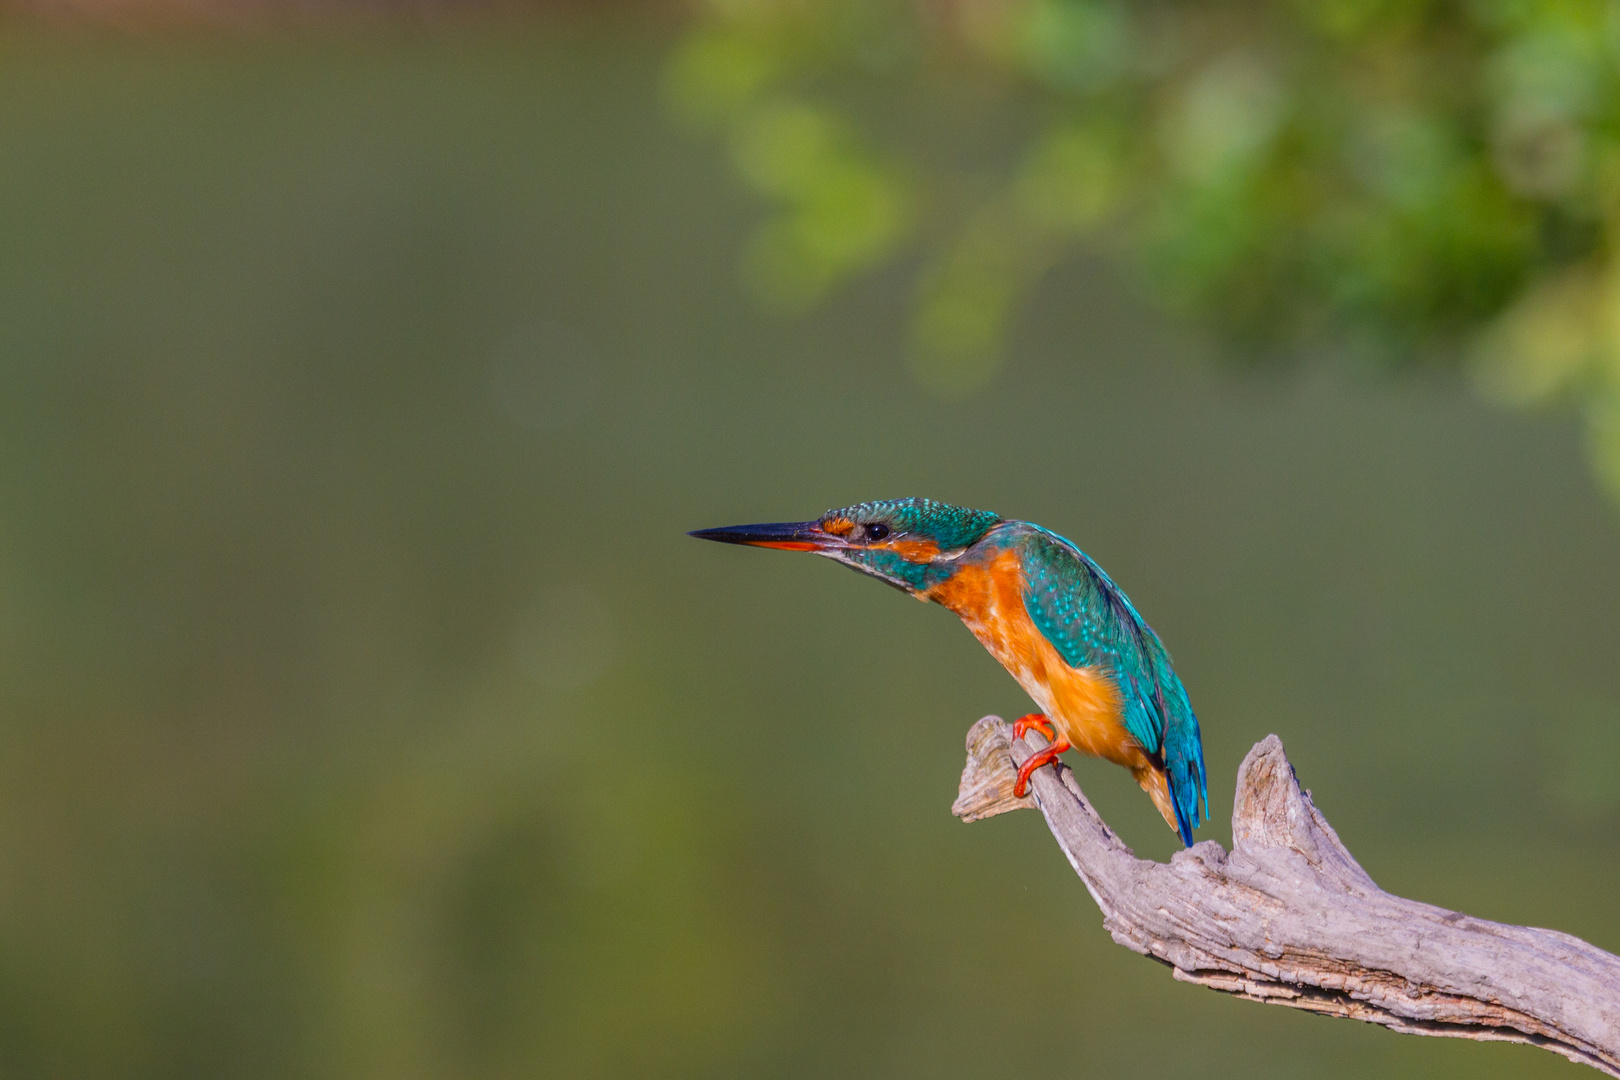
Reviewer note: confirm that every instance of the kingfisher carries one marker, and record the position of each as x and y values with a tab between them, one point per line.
1048	613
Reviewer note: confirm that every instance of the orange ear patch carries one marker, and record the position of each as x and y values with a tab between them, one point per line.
917	551
838	526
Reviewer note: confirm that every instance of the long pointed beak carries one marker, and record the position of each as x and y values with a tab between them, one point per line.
787	535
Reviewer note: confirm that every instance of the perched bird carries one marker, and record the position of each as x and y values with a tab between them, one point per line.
1043	608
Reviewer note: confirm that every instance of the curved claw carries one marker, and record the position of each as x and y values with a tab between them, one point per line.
1035	720
1036	760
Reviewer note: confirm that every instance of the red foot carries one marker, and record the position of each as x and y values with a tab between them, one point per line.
1035	720
1036	760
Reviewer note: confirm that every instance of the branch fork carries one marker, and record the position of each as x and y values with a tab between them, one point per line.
1290	918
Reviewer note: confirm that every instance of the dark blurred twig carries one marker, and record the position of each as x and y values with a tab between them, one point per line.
1289	917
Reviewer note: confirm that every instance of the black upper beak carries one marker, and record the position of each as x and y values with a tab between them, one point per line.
787	535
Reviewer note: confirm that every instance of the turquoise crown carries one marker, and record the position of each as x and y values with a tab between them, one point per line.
946	525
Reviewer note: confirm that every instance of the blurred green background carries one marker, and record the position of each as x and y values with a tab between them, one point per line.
367	714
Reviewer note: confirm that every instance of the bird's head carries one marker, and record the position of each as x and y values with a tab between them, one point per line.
911	544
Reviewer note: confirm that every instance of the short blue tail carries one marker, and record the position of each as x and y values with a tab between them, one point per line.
1184	760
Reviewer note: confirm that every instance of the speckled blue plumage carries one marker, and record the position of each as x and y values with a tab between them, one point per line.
948	526
1092	623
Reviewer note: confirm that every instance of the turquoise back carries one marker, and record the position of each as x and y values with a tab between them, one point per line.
1092	623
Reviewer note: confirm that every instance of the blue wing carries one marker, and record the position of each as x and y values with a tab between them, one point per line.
1091	623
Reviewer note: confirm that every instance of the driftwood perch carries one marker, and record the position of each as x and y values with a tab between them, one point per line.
1290	918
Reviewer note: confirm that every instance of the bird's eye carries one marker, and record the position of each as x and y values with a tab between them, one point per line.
876	531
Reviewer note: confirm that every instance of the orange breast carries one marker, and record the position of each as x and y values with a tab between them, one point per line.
1082	703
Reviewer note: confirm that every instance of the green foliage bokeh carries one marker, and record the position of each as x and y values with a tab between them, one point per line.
1398	181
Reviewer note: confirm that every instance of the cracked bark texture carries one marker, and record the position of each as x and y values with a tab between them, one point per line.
1290	918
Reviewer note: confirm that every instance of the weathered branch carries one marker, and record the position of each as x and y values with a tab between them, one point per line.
1290	918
